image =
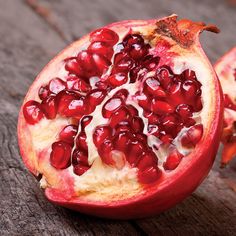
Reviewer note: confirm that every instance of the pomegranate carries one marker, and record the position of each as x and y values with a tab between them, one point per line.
125	122
226	70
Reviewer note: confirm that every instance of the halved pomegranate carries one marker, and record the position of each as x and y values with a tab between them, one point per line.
125	122
226	70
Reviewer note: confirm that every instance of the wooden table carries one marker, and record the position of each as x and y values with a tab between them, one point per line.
32	32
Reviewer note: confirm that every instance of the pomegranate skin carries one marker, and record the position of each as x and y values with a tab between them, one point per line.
165	193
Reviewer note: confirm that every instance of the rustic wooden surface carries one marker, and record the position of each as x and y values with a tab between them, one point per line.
32	32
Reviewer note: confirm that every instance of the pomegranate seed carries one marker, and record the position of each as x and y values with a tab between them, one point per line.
190	89
166	138
152	86
123	126
169	123
133	111
101	133
135	150
144	102
76	84
68	134
111	106
101	48
192	136
60	155
153	129
198	104
149	175
228	102
148	159
138	51
79	157
151	62
189	122
104	35
56	85
80	169
70	104
188	75
161	107
141	137
176	93
92	64
95	97
104	152
121	114
117	79
122	65
172	160
131	39
32	112
165	75
137	124
184	110
73	67
102	85
122	93
81	141
85	121
49	106
152	118
121	140
43	92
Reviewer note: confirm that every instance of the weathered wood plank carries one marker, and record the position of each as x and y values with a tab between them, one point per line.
27	43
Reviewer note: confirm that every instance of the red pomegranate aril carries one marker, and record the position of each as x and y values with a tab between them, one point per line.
153	129
166	138
137	124
104	152
165	75
123	65
133	111
135	149
81	141
149	175
189	75
184	110
101	133
152	86
56	85
101	62
228	102
32	111
60	156
68	134
95	97
101	48
138	51
189	122
117	79
141	137
198	104
76	84
79	157
123	126
73	67
192	136
151	62
122	93
148	159
43	92
152	118
102	85
144	102
104	35
80	169
176	93
85	121
161	107
121	114
169	123
131	39
121	140
190	88
172	160
49	106
111	106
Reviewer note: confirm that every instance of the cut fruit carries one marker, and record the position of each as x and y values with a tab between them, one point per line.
226	71
123	117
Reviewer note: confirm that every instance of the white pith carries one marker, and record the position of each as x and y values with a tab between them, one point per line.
102	182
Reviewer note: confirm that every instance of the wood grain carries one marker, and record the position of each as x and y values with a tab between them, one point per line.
29	40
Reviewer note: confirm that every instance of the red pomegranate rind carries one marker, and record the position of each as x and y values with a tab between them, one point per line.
154	182
225	69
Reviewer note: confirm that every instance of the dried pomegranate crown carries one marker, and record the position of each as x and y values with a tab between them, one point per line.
122	117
